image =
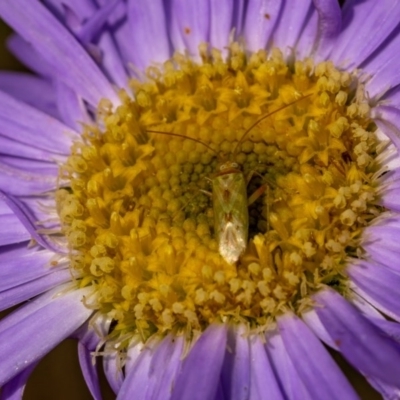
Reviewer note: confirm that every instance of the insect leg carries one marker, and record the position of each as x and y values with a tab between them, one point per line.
256	195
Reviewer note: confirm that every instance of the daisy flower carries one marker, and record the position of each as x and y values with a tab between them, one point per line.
204	193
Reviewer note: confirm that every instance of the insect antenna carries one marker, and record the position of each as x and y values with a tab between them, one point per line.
186	137
265	117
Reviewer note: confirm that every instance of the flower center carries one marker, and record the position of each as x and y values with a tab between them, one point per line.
142	217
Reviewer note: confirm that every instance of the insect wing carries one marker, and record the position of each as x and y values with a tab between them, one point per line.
231	218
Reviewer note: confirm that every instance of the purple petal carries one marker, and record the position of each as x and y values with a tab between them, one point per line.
291	23
263	383
72	108
378	285
59	48
221	13
308	37
153	373
96	21
17	149
82	8
329	25
18	265
60	315
147	20
33	90
206	358
26	217
364	345
189	25
95	34
366	24
23	183
113	369
28	290
260	21
238	17
14	388
321	376
165	365
383	252
89	371
30	307
236	367
392	329
22	50
366	308
220	394
11	229
111	60
284	369
387	391
383	71
387	118
28	125
314	323
137	375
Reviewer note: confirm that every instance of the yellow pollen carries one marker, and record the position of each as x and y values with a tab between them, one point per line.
135	203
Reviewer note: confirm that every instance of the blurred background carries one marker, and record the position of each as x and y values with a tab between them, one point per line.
58	375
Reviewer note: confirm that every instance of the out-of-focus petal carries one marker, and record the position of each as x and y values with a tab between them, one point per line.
31	89
25	52
58	47
14	388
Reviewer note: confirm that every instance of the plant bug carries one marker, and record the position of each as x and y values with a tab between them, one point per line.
229	198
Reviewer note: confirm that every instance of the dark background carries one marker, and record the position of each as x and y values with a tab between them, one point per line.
58	375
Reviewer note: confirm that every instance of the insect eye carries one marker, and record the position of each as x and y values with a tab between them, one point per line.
235	165
222	167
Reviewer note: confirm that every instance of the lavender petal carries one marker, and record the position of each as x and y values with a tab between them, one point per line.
146	20
61	316
289	379
378	285
321	376
205	357
364	345
263	383
261	18
366	24
37	25
189	25
236	367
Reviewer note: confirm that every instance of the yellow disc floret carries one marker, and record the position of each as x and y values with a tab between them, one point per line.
135	204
